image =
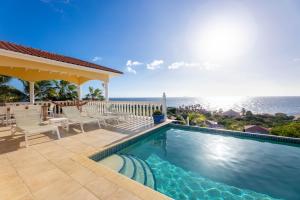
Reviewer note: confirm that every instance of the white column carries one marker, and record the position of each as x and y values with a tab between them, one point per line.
79	92
105	84
31	92
164	105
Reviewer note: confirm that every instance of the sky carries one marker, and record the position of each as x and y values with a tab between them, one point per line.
181	47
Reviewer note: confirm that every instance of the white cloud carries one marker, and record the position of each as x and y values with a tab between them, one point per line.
202	66
96	58
131	70
130	66
155	64
133	63
177	65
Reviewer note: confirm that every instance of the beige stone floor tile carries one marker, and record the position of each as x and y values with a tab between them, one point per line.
13	189
57	190
3	157
122	194
58	153
45	147
22	154
4	162
38	181
76	146
67	141
101	187
36	168
76	171
27	197
81	194
28	161
7	173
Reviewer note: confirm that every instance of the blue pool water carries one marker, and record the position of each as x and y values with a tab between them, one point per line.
197	165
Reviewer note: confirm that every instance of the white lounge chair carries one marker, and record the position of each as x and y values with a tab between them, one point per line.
28	121
111	110
92	111
74	116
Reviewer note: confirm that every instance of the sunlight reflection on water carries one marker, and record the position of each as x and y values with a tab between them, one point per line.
288	105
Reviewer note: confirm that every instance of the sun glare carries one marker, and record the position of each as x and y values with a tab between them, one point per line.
224	39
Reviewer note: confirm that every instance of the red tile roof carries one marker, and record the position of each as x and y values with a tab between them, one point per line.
256	129
52	56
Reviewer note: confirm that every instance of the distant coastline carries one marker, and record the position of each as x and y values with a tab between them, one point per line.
280	104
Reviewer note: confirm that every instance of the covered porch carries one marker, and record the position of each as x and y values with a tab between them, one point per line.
33	65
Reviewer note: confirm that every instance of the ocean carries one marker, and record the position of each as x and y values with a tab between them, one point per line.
289	104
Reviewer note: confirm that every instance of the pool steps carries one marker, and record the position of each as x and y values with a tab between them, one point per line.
129	168
132	167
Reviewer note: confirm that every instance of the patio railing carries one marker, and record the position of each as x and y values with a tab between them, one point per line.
143	109
132	108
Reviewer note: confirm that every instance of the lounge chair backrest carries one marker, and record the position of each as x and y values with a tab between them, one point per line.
90	109
34	107
71	112
27	117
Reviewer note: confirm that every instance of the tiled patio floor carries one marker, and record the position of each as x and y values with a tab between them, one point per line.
60	169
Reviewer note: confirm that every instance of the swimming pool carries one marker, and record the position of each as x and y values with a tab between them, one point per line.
186	163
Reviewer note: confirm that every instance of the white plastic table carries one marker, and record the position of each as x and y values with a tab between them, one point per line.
61	121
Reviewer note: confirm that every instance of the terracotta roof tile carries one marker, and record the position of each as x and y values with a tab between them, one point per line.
52	56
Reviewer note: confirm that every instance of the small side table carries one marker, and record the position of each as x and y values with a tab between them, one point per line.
63	122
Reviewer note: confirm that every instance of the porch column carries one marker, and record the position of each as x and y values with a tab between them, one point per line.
105	84
79	92
31	92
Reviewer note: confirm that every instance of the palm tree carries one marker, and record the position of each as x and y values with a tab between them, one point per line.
44	90
64	90
9	93
4	80
94	94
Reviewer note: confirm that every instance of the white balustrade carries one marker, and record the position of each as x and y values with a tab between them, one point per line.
142	109
132	108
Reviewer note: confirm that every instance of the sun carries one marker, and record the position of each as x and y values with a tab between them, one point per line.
224	39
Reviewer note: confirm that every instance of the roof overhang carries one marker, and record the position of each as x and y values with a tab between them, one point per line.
33	68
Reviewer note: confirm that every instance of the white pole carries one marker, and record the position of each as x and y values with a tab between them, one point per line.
79	92
164	105
106	91
31	92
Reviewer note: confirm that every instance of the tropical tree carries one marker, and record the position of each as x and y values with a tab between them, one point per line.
94	94
196	118
64	90
9	93
43	90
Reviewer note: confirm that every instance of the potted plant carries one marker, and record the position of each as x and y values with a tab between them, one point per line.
158	117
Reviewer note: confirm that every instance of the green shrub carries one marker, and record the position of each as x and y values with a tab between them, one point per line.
290	130
157	112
